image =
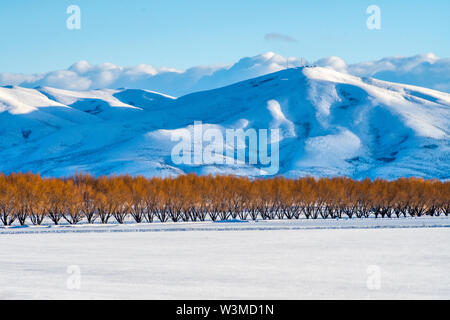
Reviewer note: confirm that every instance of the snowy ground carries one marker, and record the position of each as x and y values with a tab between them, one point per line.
408	258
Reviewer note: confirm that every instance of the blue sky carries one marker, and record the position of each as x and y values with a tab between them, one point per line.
181	34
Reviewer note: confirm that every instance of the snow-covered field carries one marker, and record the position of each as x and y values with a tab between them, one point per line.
348	259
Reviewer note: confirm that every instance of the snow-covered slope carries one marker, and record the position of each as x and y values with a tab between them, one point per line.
331	123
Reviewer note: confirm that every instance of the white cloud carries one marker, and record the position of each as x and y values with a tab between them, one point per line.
81	67
65	79
424	70
333	62
397	64
17	79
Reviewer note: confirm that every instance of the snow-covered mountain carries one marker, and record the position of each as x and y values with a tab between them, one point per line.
331	124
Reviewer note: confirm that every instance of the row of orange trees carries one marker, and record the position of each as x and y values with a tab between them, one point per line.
29	198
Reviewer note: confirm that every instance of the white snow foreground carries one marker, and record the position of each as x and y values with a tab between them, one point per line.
327	259
331	124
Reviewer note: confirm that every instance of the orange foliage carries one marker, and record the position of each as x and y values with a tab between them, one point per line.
192	198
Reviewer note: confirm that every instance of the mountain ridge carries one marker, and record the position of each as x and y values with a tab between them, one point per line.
331	124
